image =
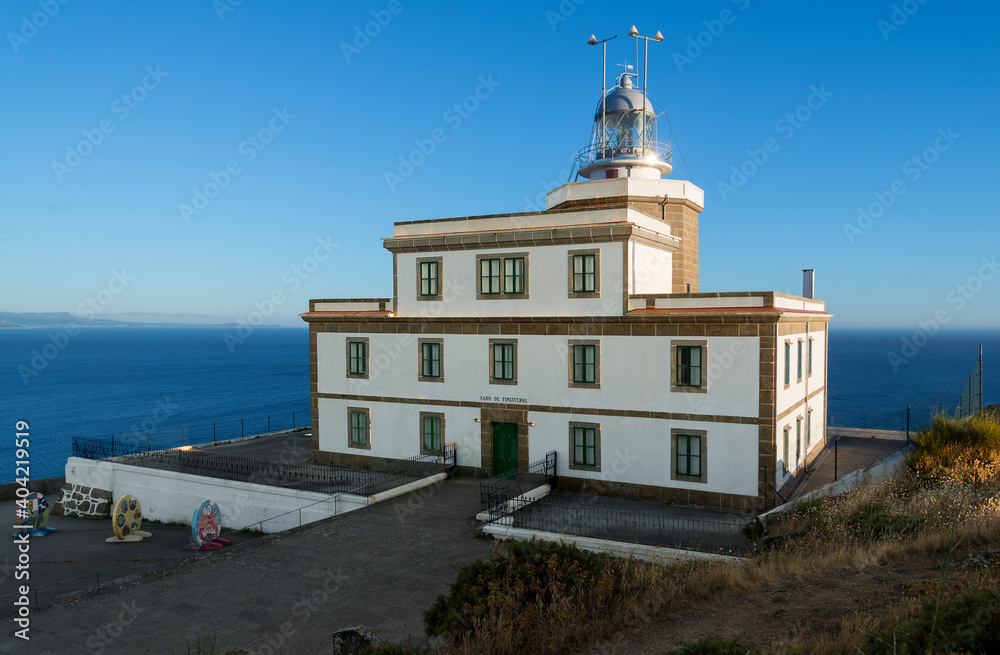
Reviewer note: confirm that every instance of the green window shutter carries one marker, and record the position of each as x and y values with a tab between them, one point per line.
359	428
808	430
489	276
788	362
358	357
798	439
429	279
689	366
785	452
430	356
431	439
585	363
584	446
799	362
810	356
513	275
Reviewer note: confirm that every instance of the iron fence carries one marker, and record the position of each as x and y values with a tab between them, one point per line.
631	521
384	474
496	492
146	441
971	400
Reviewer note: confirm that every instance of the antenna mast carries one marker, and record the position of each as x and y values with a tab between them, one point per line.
645	73
604	77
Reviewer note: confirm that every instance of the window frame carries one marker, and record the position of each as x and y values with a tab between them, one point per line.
583	466
362	341
493	344
595	254
421	371
438	265
788	363
675	366
574	382
502	276
798	364
676	437
809	416
366	412
787	430
432	417
809	367
798	439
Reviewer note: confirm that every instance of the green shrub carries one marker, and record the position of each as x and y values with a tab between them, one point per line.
536	567
716	646
873	522
970	624
939	448
394	649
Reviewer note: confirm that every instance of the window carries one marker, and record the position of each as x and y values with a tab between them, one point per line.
689	455
784	462
788	362
430	278
810	368
584	363
799	362
503	361
808	429
585	273
513	275
489	276
357	357
431	433
798	439
431	360
503	276
585	446
688	363
688	366
358	427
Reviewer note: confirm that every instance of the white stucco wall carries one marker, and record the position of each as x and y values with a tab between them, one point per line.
548	284
170	496
650	269
395	429
635	372
805	394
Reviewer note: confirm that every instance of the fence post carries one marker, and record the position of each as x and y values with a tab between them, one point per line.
182	435
213	432
112	454
269	423
835	442
866	419
293	420
241	428
907	425
148	447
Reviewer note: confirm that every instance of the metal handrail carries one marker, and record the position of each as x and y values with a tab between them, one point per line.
597	151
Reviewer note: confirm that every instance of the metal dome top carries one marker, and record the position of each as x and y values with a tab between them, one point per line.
625	98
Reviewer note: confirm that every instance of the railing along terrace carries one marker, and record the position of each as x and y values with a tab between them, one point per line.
495	492
585	515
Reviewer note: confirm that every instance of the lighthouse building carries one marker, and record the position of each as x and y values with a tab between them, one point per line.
579	329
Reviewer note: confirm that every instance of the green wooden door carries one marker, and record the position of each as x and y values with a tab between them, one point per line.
504	448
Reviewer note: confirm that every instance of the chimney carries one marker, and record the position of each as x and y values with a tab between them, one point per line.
808	282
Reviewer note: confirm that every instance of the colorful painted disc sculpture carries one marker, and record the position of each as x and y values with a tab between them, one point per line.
206	522
34	513
127	517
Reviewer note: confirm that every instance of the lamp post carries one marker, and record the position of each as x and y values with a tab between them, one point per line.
645	71
604	78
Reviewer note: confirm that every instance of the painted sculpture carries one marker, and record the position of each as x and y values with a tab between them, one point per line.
33	516
126	521
206	525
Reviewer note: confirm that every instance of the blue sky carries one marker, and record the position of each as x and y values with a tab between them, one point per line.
117	114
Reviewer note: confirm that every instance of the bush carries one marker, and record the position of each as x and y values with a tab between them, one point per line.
872	522
970	624
535	568
716	646
939	450
542	597
394	649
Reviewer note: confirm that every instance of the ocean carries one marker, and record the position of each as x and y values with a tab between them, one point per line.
132	382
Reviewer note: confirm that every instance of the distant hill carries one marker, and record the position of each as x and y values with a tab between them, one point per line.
64	319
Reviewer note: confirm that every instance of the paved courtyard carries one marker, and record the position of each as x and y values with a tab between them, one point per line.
379	566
